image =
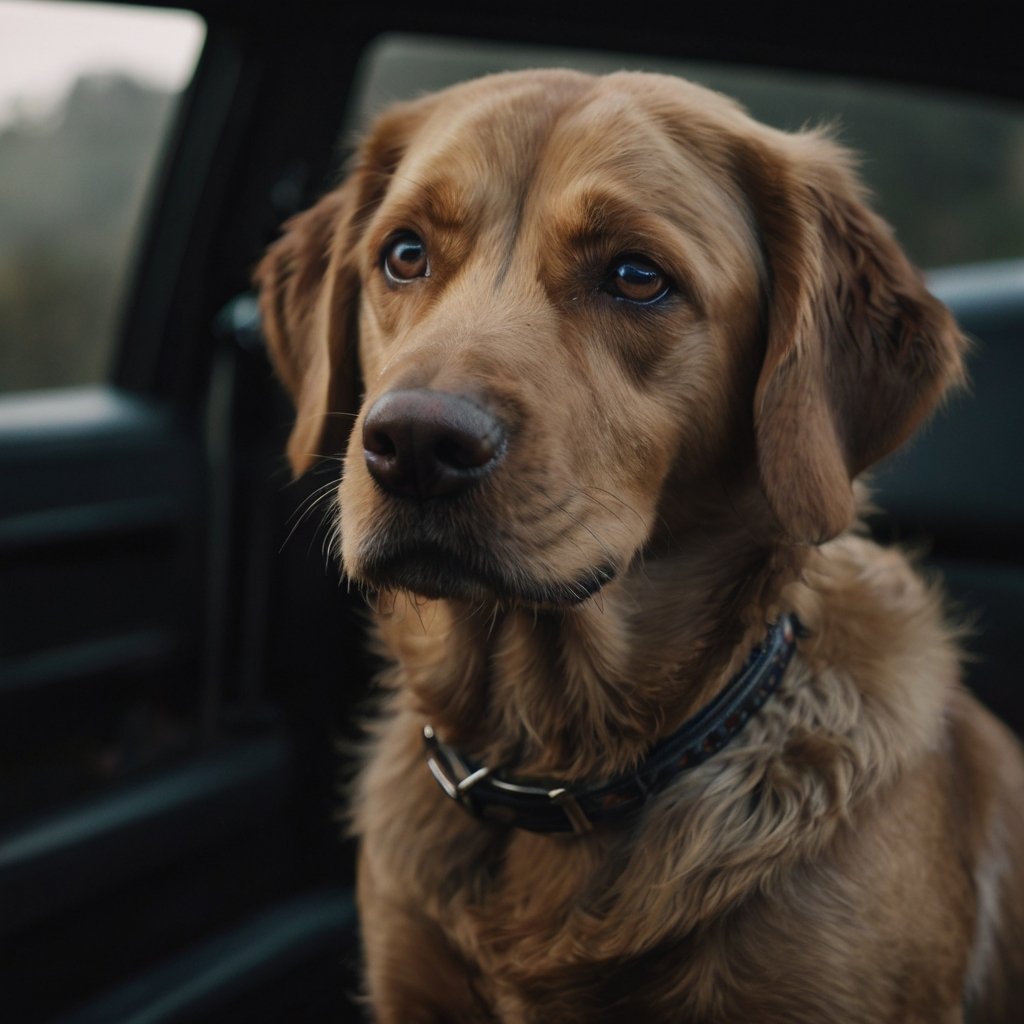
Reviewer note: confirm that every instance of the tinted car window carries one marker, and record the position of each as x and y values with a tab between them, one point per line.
87	97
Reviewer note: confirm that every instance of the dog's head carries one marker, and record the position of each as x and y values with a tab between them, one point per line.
579	307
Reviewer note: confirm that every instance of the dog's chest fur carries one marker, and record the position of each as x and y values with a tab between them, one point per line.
715	878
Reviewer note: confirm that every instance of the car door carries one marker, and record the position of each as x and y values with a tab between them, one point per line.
163	817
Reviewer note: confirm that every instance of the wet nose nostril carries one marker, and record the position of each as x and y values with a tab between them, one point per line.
423	443
451	453
377	442
469	452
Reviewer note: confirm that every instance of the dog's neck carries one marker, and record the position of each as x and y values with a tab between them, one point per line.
581	693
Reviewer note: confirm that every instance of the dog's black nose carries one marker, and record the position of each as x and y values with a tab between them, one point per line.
425	444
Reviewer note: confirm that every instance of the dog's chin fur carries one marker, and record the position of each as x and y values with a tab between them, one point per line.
676	476
438	574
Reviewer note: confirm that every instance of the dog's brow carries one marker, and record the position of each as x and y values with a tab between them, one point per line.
446	207
594	214
439	202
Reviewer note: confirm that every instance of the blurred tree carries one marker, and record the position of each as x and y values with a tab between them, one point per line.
72	188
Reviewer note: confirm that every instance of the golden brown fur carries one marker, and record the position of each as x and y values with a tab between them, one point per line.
856	854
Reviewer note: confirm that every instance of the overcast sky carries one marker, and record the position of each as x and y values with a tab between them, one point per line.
45	45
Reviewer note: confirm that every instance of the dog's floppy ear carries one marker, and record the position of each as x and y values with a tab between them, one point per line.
307	294
308	283
858	352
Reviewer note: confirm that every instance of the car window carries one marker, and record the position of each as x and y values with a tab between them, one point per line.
87	97
947	170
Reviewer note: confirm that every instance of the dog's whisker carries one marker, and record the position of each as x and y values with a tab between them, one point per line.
608	552
586	491
331	548
328	519
310	500
323	496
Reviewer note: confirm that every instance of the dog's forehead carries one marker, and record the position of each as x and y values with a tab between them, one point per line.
489	131
565	136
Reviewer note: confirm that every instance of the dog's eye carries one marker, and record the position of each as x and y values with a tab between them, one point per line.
405	258
637	280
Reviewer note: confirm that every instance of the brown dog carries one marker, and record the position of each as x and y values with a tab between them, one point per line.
623	351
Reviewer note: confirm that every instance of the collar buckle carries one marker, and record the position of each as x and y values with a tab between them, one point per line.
457	780
450	772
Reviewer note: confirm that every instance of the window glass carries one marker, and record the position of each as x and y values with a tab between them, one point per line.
947	171
87	93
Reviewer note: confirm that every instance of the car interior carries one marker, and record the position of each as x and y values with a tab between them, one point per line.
183	675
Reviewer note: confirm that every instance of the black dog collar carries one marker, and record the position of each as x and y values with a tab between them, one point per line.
553	808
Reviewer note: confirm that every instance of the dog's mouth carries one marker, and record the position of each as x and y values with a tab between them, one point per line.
434	571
